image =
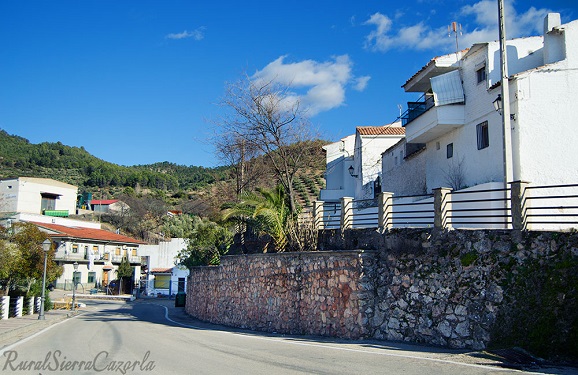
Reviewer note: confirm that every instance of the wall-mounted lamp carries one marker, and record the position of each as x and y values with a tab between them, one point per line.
352	171
498	106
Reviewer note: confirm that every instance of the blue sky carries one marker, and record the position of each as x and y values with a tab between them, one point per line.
137	81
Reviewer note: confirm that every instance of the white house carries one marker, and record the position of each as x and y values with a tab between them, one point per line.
37	196
461	134
42	200
370	143
160	274
98	254
338	181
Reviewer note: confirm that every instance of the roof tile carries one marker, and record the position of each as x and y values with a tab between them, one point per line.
88	233
380	130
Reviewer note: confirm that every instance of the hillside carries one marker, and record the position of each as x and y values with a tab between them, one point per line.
74	165
176	184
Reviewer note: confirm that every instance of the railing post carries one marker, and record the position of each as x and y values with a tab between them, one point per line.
519	204
442	206
385	210
4	307
318	215
346	213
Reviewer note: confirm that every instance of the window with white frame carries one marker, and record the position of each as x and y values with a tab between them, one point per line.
483	135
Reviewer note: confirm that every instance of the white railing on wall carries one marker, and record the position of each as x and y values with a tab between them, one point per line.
486	206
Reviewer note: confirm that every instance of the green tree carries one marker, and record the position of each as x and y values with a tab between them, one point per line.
206	244
266	211
21	249
124	273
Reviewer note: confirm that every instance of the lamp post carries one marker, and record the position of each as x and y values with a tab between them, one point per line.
74	286
46	245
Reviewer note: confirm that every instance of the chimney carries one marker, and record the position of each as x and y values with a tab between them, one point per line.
551	21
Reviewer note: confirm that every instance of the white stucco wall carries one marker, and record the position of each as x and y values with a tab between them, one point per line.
23	195
339	157
546	132
163	255
403	176
368	150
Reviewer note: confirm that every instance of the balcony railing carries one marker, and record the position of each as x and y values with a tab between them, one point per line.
417	108
487	206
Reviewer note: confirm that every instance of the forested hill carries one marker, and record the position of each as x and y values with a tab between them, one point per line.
74	165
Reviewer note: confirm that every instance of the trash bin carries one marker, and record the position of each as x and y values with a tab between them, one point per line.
180	299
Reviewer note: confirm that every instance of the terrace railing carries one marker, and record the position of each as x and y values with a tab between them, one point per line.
519	206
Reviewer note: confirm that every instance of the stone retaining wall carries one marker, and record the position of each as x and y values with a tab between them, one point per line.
463	289
298	293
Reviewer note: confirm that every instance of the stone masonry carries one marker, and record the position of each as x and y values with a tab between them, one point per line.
460	289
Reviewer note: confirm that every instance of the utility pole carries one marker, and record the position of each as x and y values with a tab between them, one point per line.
506	126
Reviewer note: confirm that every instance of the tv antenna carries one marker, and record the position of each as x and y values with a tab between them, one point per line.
456	29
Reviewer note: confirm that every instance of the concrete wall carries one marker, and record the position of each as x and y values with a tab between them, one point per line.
462	289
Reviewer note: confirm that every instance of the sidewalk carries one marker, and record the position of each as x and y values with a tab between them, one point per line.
15	329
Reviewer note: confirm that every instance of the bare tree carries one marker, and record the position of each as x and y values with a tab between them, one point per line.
265	119
455	174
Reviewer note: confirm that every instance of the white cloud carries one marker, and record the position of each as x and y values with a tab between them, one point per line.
479	20
319	86
197	34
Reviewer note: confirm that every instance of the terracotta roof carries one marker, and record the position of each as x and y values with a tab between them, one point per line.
161	270
87	233
380	130
103	201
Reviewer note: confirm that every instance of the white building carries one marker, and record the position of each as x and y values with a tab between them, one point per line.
37	196
338	181
98	254
160	274
462	132
370	143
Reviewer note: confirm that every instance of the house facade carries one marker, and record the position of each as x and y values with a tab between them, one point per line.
459	132
159	273
98	254
338	159
41	196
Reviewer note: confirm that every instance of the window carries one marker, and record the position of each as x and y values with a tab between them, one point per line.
181	284
117	251
75	248
133	253
483	135
91	277
106	256
450	150
481	74
162	281
95	249
437	145
48	201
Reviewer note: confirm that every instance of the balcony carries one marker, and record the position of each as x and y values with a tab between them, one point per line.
432	122
437	112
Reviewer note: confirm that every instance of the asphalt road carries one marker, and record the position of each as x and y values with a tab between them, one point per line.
142	338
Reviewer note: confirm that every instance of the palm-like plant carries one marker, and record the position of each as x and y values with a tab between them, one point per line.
266	211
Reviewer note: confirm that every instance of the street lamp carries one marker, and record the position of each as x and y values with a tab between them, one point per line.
352	171
46	245
75	265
